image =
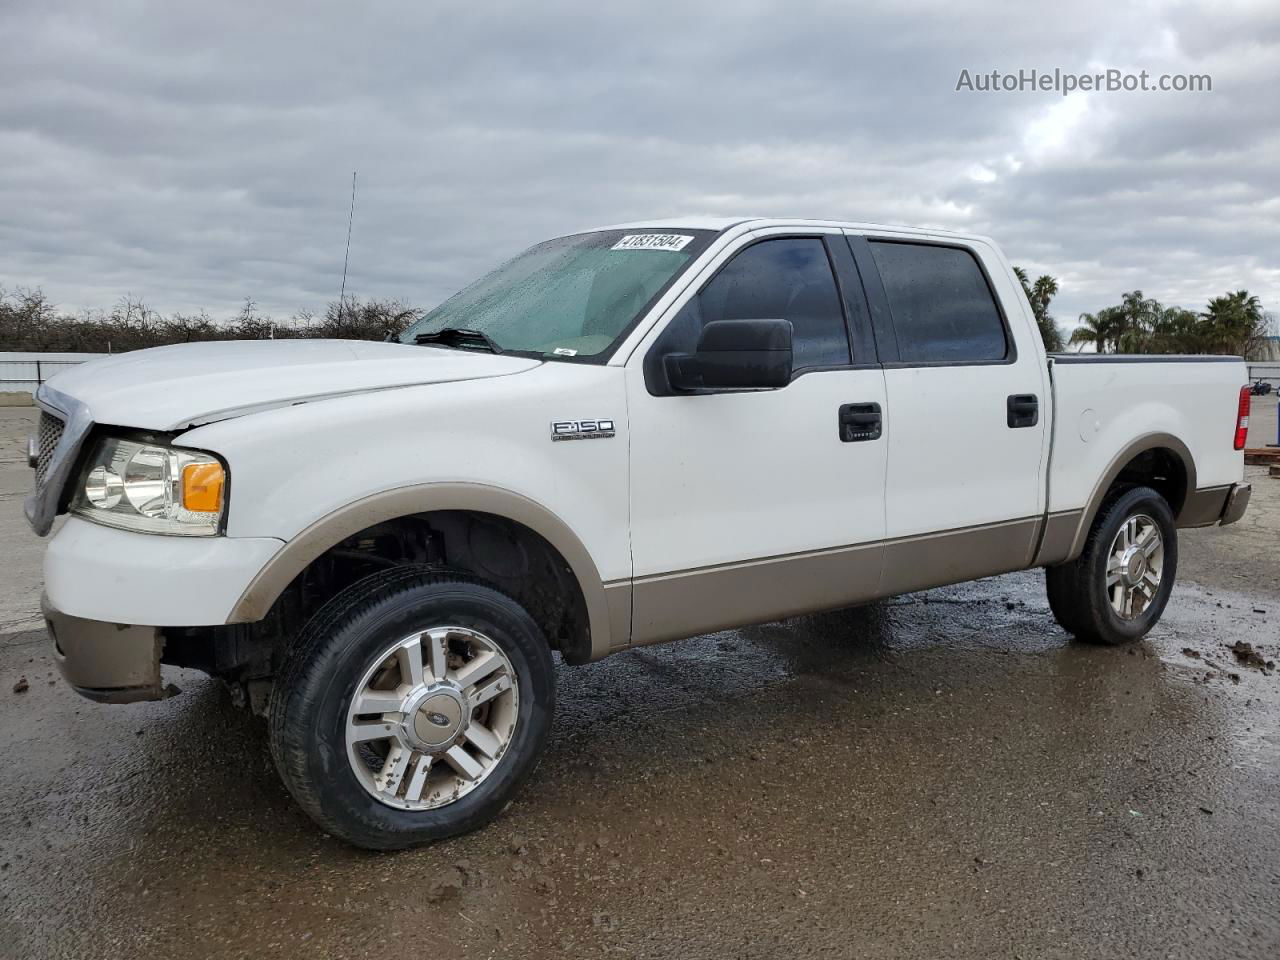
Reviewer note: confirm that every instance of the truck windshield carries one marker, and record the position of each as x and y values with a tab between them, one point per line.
573	297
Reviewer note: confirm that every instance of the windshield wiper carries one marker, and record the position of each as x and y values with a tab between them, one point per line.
460	339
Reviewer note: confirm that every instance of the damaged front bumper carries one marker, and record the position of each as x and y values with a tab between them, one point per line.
106	662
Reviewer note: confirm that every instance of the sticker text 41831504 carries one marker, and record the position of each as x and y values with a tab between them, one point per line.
652	241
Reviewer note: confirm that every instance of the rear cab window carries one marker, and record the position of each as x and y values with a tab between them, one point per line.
942	305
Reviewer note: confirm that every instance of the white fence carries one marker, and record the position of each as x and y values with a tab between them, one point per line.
1269	372
26	371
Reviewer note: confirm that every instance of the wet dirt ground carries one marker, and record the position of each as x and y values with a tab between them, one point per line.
942	775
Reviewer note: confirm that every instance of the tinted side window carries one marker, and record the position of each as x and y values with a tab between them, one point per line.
790	279
942	307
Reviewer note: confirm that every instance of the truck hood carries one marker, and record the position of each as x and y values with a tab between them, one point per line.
170	388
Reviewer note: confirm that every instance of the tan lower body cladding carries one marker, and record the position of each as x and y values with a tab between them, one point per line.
692	602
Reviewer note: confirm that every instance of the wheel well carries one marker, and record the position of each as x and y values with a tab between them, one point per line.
1161	469
504	553
510	556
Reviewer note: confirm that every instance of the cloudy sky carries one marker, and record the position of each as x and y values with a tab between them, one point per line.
197	154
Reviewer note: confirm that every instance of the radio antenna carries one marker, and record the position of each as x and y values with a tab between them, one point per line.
346	257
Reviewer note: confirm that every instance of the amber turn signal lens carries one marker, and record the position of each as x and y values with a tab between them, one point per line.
202	487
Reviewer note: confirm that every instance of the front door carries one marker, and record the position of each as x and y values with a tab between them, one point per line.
753	505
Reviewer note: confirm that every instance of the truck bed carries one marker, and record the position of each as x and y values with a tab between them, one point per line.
1105	404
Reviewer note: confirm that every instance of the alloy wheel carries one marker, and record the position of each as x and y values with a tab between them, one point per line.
1135	565
432	717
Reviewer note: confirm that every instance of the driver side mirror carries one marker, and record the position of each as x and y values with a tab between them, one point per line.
735	355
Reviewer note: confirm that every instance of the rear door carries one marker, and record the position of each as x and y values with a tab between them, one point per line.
965	393
752	505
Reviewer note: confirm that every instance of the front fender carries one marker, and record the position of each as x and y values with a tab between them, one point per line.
608	605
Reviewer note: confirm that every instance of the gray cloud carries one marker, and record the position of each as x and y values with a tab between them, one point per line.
195	156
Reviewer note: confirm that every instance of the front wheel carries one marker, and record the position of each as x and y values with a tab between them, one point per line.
411	708
1116	590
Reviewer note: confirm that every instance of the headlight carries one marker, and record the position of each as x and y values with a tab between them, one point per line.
152	488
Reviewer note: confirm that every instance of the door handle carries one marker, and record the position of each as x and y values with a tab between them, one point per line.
860	421
1023	410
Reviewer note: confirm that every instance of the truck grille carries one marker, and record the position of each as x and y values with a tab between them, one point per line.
48	433
64	425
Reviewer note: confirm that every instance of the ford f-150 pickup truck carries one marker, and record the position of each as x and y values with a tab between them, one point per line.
619	437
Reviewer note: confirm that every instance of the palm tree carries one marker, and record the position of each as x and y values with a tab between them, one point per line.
1134	322
1038	295
1095	328
1234	323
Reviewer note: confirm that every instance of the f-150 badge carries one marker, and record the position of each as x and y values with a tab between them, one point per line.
581	429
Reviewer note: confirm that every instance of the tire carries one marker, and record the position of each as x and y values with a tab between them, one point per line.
340	766
1079	595
1058	583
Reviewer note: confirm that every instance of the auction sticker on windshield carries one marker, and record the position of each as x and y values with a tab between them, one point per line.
652	241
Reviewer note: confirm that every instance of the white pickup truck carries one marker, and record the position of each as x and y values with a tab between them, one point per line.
617	438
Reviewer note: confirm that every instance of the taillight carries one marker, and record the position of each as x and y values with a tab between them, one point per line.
1242	418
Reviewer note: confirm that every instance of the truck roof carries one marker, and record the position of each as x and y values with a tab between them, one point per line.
724	223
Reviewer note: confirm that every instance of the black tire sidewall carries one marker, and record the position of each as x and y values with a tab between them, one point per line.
316	711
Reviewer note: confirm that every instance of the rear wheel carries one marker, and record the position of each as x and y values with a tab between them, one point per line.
411	708
1116	590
